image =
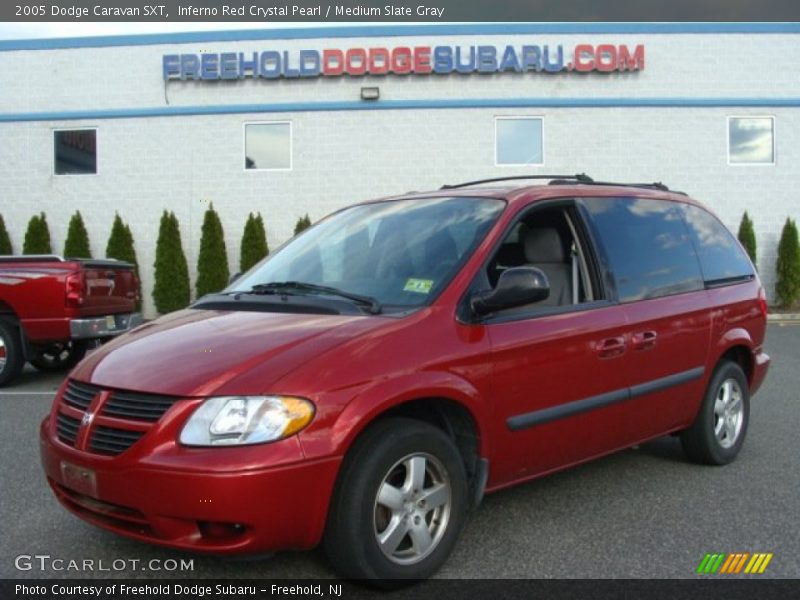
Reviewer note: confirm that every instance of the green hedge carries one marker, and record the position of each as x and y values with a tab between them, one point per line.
171	289
5	241
77	242
302	224
212	262
747	236
787	286
254	242
120	243
37	236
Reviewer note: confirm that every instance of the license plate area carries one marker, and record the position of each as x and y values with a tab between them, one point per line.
79	479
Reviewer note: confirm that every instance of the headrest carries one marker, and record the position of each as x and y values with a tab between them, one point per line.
543	245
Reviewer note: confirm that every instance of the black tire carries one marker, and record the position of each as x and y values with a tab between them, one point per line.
386	456
717	434
58	357
11	358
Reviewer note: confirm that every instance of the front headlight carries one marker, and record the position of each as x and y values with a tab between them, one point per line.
237	420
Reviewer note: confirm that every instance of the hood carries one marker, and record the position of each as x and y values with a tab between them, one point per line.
200	352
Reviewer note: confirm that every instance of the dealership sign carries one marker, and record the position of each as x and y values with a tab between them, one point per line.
403	60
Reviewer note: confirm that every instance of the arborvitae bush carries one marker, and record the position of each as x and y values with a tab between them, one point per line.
77	243
120	243
254	242
37	237
120	246
171	288
212	262
787	286
5	241
747	236
302	224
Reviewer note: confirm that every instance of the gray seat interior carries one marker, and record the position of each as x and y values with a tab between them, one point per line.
544	249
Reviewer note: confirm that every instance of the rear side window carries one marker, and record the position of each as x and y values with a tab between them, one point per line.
722	259
648	246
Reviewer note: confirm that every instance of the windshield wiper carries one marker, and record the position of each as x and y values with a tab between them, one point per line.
293	287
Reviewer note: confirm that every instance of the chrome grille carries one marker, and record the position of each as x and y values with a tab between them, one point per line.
120	420
134	405
80	395
67	428
109	440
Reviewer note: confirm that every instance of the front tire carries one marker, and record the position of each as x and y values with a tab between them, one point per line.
717	435
399	504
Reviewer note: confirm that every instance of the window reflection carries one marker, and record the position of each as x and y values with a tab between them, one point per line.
518	141
648	245
721	257
268	146
751	140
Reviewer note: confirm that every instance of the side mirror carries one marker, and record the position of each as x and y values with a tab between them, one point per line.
517	286
234	277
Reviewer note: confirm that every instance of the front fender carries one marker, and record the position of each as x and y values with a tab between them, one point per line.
374	399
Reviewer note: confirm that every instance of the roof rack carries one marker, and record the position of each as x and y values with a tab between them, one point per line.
579	178
656	185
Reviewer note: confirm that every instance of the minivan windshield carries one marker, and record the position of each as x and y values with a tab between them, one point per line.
393	255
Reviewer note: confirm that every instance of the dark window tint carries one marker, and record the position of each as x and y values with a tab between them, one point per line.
721	257
75	151
648	246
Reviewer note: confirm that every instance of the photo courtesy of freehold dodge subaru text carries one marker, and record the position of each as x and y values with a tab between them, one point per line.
364	386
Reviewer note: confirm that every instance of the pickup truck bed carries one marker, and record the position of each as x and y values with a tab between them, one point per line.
52	308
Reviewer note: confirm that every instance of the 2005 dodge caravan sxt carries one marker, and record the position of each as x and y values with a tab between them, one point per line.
366	384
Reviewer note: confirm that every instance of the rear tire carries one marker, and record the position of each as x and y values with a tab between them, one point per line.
58	356
11	359
718	432
399	504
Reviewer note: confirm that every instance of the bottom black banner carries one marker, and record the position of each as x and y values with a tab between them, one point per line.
441	589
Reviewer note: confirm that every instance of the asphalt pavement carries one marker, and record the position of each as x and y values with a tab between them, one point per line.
642	513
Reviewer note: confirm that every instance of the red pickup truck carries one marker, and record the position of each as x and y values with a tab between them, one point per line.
52	309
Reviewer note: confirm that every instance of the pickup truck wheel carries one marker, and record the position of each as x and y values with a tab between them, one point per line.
399	504
58	357
717	434
11	359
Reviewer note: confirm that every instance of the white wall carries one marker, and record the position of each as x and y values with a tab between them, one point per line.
182	163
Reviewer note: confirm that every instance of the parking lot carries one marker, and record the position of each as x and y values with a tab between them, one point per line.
642	513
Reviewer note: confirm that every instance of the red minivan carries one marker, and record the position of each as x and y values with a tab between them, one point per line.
366	384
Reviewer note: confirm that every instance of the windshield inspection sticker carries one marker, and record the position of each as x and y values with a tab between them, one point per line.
418	286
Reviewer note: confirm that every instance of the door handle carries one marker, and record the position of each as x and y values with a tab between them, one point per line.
611	347
644	340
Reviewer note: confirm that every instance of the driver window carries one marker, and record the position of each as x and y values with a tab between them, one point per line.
548	240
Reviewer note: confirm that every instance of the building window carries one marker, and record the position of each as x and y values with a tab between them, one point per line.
268	146
751	140
518	141
75	151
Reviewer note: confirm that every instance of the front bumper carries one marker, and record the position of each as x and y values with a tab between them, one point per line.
181	505
108	326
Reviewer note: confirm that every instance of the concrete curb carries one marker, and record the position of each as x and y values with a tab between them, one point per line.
780	317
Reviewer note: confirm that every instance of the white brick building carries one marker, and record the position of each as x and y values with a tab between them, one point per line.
685	118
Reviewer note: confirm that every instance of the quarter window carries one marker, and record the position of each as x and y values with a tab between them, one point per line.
648	246
75	151
518	141
268	146
722	259
751	140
